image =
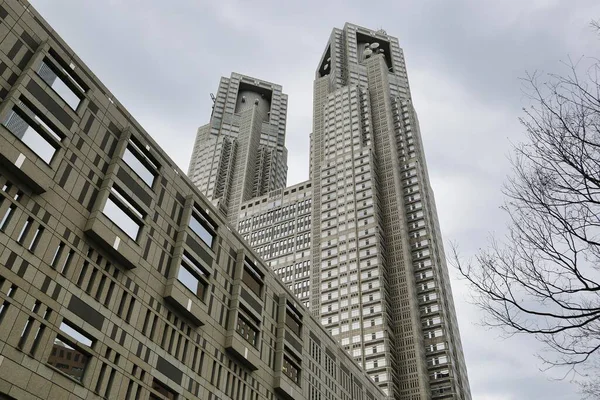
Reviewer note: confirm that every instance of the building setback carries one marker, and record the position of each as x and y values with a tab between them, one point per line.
118	279
377	275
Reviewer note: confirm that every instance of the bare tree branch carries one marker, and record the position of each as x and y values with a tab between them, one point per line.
543	278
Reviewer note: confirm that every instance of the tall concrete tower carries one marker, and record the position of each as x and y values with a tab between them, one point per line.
379	278
240	154
359	243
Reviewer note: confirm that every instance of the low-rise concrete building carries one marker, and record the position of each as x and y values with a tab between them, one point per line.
118	279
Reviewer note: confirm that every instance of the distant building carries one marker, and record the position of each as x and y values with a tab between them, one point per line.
241	154
359	242
118	279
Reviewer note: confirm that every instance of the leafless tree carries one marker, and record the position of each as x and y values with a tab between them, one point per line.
543	278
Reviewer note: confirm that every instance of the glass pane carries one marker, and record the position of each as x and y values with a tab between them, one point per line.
203	232
125	202
163	390
30	137
138	167
252	282
56	82
292	324
121	219
290	370
188	279
247	331
67	359
66	328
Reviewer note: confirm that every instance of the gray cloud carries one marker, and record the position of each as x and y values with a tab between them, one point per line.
464	58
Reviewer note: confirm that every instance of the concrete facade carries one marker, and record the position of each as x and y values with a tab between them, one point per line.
118	278
378	278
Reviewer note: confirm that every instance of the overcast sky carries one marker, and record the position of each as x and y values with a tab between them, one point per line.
162	59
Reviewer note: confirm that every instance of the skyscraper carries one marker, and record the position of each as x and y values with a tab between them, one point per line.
369	261
240	154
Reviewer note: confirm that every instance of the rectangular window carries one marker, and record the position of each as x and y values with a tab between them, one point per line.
291	369
293	320
164	391
192	277
58	79
252	278
65	352
123	213
82	338
246	329
140	163
202	227
41	142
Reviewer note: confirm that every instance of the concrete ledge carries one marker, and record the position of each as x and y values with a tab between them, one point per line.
242	350
24	163
119	246
190	307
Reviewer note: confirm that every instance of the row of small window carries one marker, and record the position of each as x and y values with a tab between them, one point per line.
357	340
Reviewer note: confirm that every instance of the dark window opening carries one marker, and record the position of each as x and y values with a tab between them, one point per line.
247	328
293	320
291	368
252	278
163	390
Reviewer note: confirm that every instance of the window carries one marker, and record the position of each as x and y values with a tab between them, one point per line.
123	213
293	320
66	354
43	142
140	163
252	278
193	277
291	368
67	328
202	227
58	79
246	329
165	391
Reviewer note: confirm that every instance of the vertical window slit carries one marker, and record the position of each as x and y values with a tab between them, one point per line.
57	255
100	378
25	230
7	217
36	238
111	289
25	333
36	339
82	273
3	309
67	263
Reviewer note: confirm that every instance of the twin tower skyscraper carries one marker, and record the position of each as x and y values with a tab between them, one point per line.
359	242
